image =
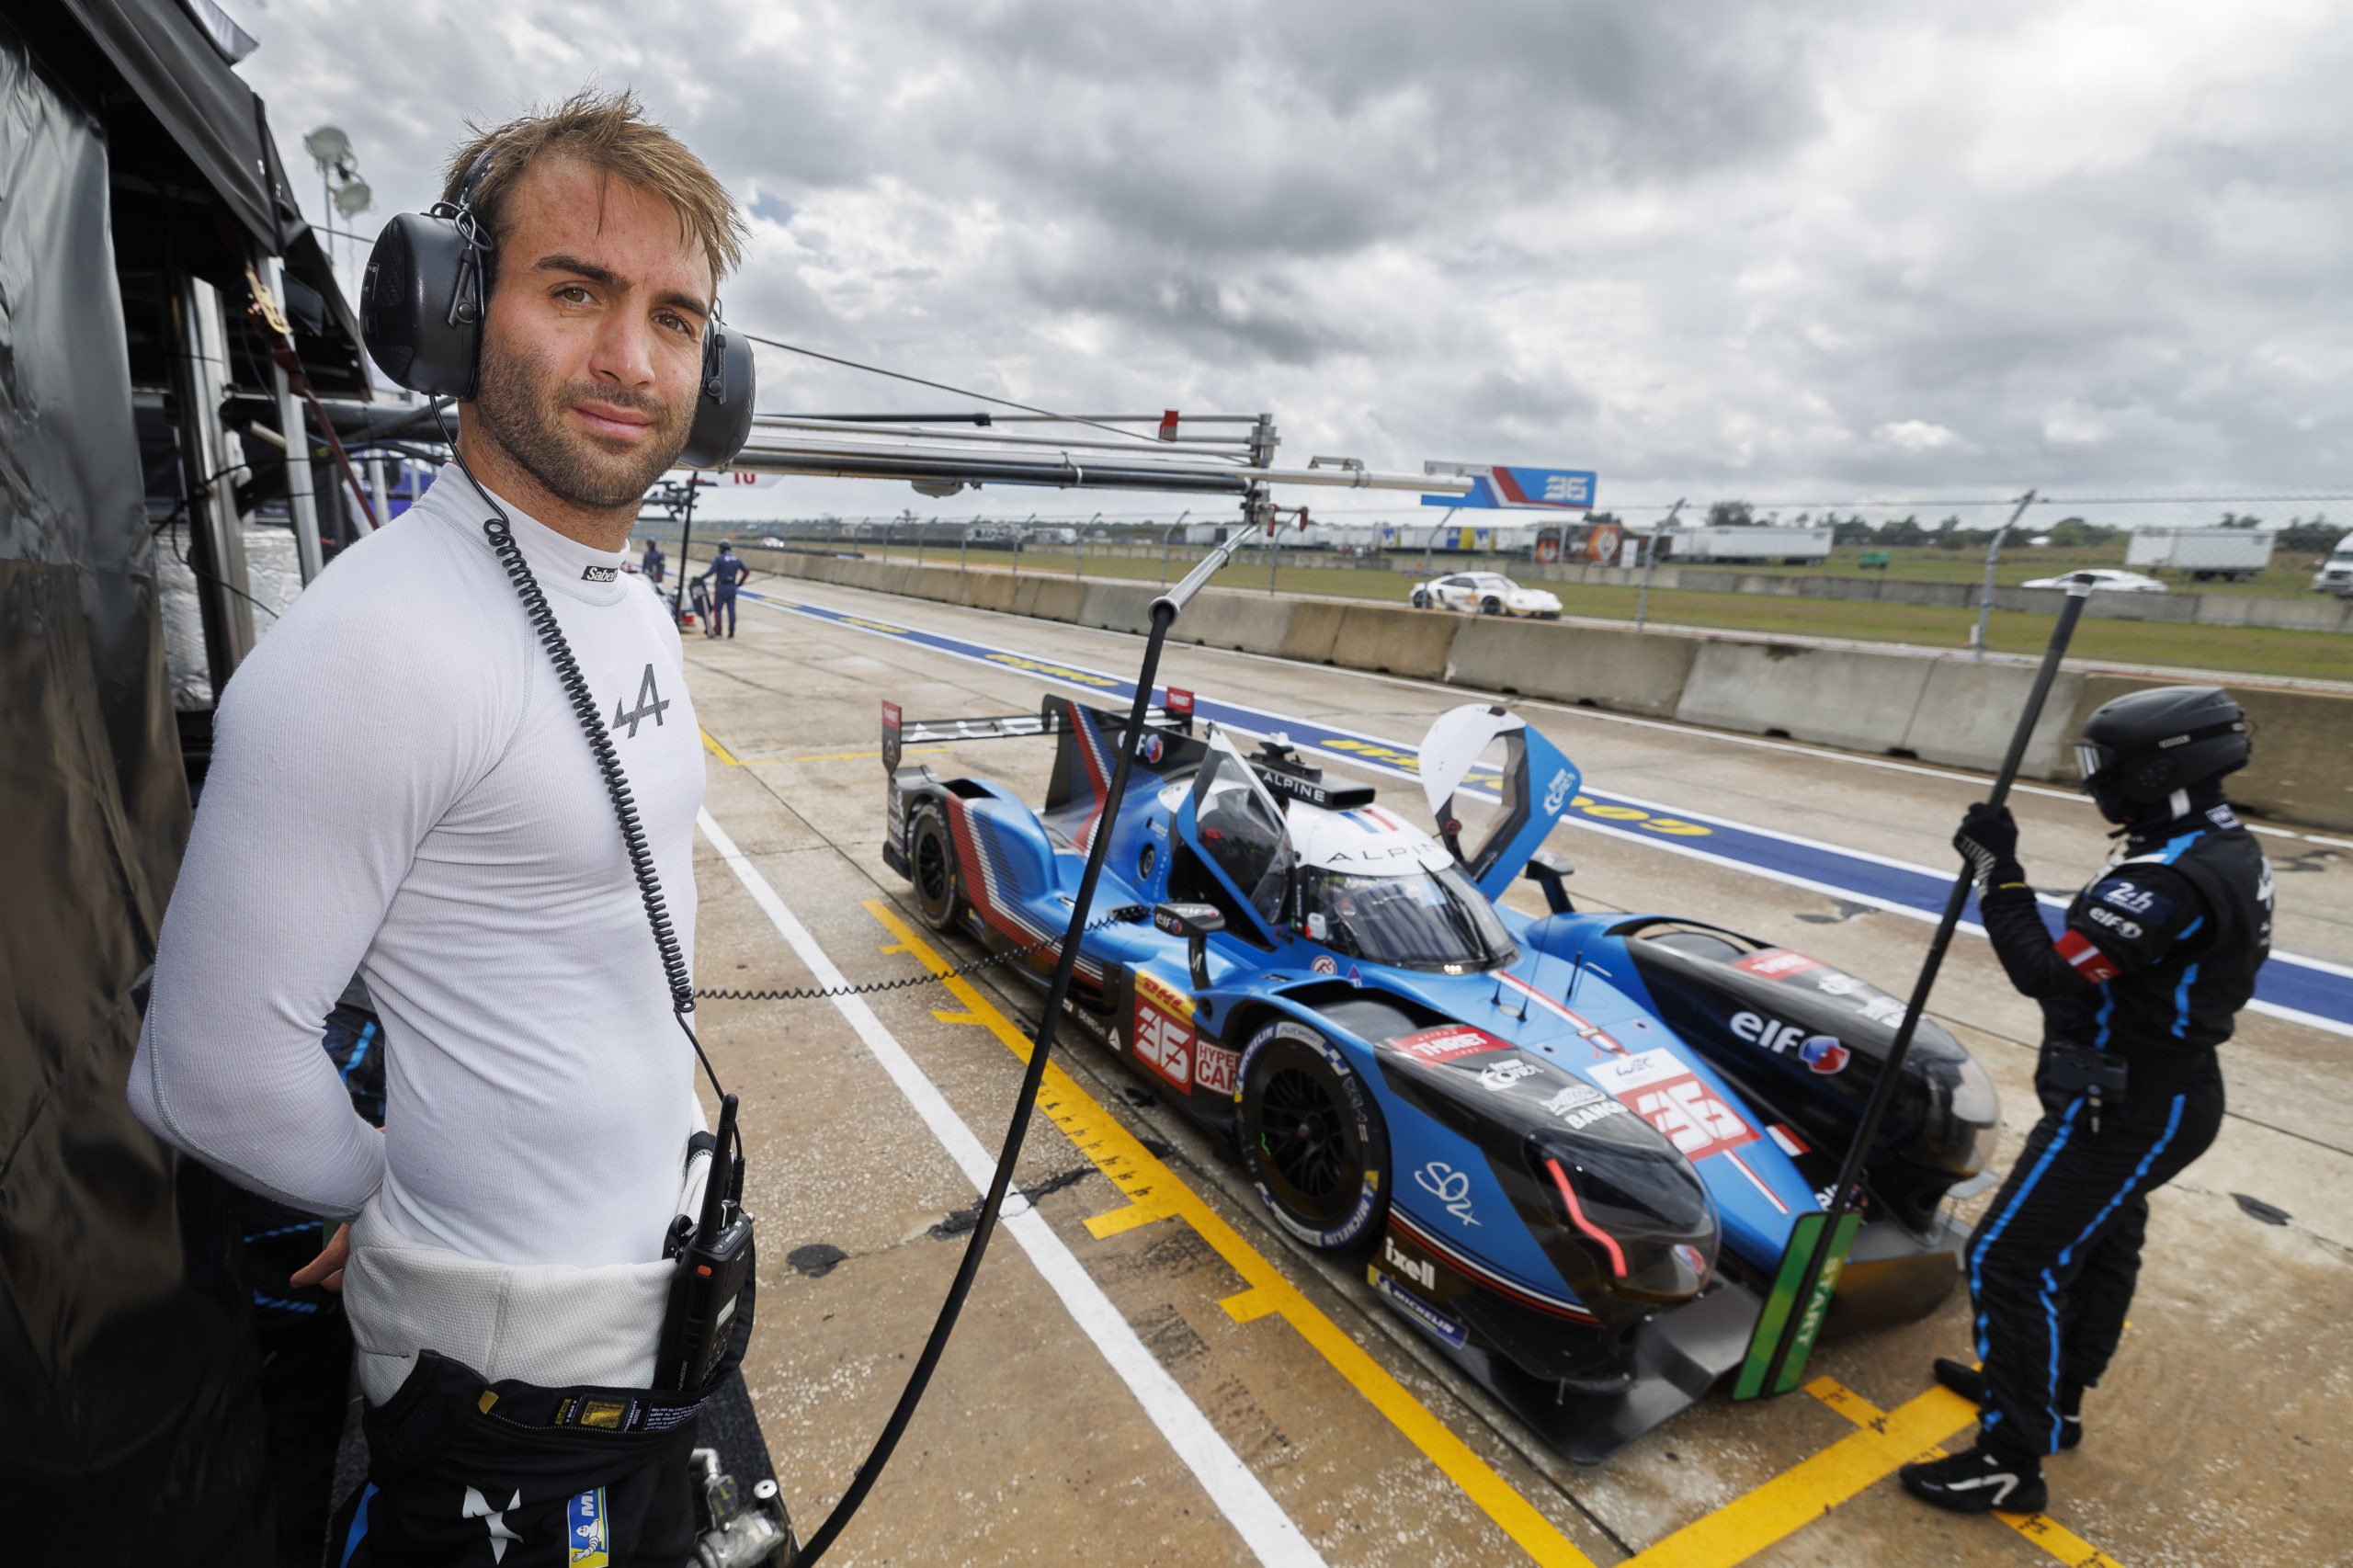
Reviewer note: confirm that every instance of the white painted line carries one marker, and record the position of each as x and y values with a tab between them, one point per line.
1262	1524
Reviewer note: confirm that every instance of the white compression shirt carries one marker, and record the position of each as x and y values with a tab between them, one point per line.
399	786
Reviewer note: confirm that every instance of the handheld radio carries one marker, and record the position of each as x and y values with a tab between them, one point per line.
714	1254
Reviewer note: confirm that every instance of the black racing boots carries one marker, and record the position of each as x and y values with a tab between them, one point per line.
1978	1480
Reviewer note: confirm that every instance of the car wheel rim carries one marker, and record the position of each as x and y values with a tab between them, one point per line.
1309	1145
932	876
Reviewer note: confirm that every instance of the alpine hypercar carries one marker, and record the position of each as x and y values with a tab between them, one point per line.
1568	1149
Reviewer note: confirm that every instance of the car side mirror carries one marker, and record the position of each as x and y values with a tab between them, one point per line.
1550	868
1194	922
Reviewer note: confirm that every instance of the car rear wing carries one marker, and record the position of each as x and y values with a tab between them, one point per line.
1053	718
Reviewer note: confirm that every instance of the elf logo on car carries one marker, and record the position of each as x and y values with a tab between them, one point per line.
1164	1030
1421	1271
1668	1096
1820	1051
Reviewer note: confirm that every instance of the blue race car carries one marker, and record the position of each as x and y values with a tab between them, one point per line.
1570	1150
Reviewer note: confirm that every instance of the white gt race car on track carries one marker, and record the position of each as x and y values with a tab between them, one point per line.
1485	593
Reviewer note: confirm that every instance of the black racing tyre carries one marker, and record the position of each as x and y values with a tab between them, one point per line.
1311	1138
1421	599
931	864
1491	606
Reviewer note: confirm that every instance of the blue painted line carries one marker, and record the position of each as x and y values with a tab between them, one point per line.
2302	989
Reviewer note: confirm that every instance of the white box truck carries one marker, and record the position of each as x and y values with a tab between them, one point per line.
2235	554
1792	547
2336	573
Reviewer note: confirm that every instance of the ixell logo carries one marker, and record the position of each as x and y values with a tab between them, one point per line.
1421	1271
1450	1187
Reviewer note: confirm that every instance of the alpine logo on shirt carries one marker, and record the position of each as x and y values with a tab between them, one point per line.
651	704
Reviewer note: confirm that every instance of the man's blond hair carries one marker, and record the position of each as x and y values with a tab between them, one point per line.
609	132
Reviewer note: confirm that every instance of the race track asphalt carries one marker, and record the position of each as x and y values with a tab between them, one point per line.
1148	1373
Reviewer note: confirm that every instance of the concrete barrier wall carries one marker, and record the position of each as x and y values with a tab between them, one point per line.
1956	712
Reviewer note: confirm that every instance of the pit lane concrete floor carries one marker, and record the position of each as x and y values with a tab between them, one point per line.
2219	1436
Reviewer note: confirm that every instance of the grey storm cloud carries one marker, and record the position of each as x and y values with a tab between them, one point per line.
1831	250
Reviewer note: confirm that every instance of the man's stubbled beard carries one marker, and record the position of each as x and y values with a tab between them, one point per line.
524	413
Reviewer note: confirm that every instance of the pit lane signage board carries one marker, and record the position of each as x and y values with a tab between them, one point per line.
1552	489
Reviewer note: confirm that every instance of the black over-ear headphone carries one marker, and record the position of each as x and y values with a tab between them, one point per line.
427	289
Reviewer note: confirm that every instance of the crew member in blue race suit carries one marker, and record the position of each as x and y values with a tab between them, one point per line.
2155	958
654	563
725	571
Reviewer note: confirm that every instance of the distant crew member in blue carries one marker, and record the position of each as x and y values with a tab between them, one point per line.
2158	955
725	573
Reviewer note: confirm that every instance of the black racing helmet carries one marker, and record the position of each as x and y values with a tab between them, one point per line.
2144	745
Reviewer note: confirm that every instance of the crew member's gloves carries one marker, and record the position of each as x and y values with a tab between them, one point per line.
1988	840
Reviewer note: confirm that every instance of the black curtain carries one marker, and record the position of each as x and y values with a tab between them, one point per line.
131	1429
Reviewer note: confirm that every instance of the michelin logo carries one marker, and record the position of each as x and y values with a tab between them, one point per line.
1427	1318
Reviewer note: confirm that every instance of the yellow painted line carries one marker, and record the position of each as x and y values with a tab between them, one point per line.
1144	1179
732	760
1802	1494
2041	1529
1127	1217
856	756
1247	1306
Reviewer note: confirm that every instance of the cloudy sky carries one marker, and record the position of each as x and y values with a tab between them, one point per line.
1792	253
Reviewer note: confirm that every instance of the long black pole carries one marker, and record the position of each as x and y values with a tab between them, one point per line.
1163	615
1807	1313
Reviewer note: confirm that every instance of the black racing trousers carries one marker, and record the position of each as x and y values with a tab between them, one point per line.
2053	1263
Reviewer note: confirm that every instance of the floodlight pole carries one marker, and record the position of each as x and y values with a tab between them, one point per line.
1993	554
1650	563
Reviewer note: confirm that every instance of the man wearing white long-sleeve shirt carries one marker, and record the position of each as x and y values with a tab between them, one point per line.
401	786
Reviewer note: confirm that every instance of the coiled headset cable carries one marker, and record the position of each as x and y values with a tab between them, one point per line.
1126	914
499	529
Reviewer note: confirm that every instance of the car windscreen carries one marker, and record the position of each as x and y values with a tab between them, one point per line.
1491	581
1241	829
1430	920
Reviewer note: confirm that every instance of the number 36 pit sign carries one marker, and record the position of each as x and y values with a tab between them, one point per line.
1556	489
